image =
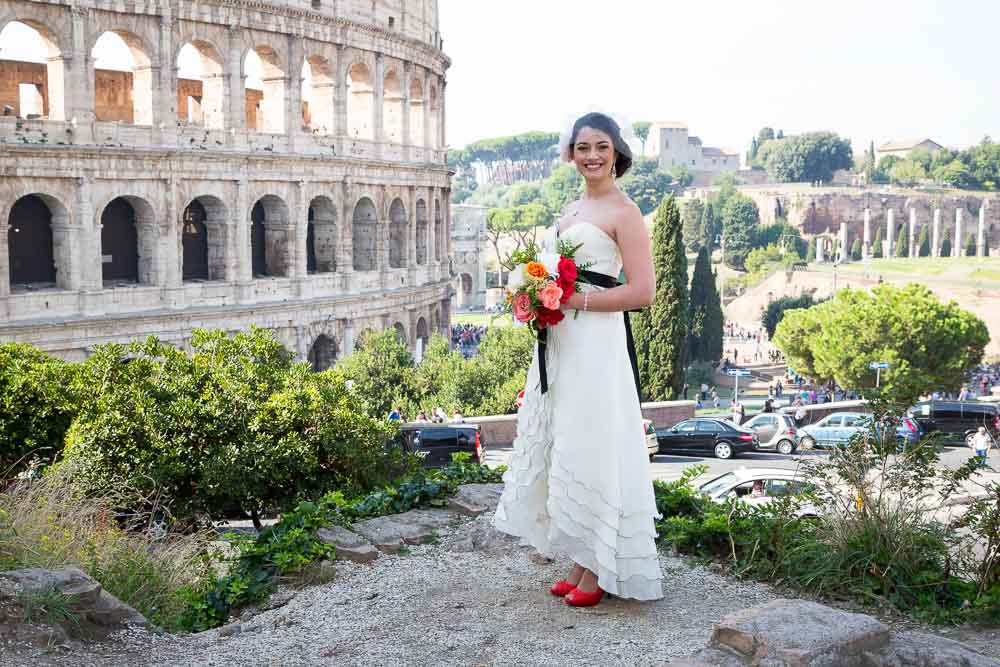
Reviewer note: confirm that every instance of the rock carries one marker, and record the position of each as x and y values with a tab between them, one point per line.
349	545
390	533
99	612
230	630
476	499
915	649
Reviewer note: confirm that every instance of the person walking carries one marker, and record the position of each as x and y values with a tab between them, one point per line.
981	444
578	485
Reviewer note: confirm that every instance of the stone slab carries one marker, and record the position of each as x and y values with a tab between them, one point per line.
475	499
916	649
798	632
390	533
349	545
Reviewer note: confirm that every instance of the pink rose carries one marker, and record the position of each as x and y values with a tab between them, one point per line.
522	308
550	295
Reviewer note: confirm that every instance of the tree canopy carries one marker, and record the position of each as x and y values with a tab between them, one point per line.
704	312
929	345
813	156
739	222
526	156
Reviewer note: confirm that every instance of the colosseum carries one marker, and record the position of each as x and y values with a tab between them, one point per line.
173	164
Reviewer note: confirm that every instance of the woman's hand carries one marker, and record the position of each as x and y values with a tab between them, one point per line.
575	302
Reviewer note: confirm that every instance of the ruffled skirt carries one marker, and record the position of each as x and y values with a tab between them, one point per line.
578	485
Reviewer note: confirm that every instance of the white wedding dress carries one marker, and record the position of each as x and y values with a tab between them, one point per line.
578	485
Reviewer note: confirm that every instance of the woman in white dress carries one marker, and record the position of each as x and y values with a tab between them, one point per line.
579	486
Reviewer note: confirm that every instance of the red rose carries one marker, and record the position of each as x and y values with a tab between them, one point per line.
546	316
566	269
567	290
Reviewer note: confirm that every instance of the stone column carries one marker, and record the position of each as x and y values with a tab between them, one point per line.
411	235
377	101
427	115
866	248
340	101
890	232
236	119
170	248
300	232
914	251
241	239
819	250
78	86
347	338
442	141
293	92
164	116
406	139
4	264
843	243
89	256
958	247
981	233
936	234
345	243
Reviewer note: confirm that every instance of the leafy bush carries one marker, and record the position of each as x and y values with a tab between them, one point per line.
236	426
52	523
37	405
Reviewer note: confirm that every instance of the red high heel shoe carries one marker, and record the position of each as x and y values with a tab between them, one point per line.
561	588
578	598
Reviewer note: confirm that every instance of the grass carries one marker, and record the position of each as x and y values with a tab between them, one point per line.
49	523
50	607
481	319
986	274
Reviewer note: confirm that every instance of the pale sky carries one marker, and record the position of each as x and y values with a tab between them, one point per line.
867	69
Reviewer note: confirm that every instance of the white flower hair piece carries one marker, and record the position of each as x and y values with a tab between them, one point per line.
626	129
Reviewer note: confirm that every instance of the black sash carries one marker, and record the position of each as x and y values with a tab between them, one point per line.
600	280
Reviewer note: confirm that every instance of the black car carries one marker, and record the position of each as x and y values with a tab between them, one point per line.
435	443
954	422
718	437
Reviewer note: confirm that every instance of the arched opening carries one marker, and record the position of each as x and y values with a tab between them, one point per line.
400	332
434	138
397	234
323	353
439	240
422	333
317	95
204	229
264	92
123	79
421	232
311	242
119	243
392	108
31	68
360	102
323	231
364	229
194	242
416	113
30	243
466	286
200	85
271	238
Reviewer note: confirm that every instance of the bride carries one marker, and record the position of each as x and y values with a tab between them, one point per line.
578	485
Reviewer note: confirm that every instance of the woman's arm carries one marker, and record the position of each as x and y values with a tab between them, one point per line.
633	243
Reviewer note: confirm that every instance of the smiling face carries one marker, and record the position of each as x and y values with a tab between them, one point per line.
593	154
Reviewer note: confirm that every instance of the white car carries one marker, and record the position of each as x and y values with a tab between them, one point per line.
652	443
759	486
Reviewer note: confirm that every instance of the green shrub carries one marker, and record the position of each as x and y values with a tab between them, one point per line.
37	405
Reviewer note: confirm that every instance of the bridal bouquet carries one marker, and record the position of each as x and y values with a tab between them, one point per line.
540	282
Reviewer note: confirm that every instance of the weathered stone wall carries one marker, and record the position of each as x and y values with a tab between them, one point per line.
113	96
12	74
319	190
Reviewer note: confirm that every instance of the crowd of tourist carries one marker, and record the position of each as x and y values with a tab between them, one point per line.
465	338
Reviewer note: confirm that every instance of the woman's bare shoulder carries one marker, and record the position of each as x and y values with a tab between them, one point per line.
627	213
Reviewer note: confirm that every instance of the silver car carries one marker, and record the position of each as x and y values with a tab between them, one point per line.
777	432
652	443
834	429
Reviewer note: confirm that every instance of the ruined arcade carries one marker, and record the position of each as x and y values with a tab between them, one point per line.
279	164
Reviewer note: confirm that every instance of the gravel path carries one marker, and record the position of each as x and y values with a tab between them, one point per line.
478	601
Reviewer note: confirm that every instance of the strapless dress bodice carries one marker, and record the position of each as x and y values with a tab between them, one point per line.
598	249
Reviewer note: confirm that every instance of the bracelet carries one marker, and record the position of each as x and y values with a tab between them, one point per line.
586	296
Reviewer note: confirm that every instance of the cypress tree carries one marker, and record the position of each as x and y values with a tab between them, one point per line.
856	249
694	210
946	244
661	329
902	244
707	231
970	246
704	327
924	242
877	245
811	253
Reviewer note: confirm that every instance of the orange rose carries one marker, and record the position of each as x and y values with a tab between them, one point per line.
536	270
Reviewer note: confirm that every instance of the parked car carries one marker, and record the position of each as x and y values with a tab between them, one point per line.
718	437
435	443
776	432
772	483
652	443
837	429
954	422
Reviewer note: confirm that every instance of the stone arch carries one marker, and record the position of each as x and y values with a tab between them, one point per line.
434	136
203	247
265	106
397	234
323	353
38	249
422	331
201	87
360	101
421	232
400	332
271	237
364	228
323	227
439	240
40	81
416	112
318	86
392	108
128	240
124	95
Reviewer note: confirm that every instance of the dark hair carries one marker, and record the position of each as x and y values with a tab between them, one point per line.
607	125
